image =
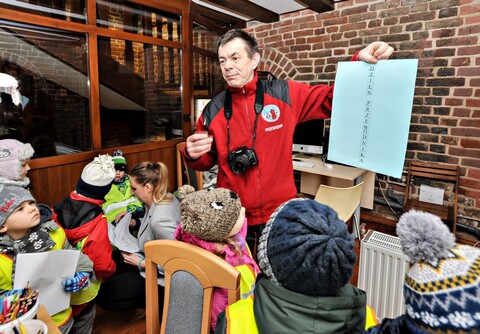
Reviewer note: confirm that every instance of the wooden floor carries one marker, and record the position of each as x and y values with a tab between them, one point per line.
134	322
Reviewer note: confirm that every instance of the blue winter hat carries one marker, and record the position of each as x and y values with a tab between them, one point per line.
306	248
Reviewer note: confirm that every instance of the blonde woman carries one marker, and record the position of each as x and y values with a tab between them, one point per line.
126	290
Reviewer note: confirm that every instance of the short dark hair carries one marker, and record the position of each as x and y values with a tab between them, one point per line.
250	41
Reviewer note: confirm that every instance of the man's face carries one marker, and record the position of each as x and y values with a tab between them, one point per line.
237	67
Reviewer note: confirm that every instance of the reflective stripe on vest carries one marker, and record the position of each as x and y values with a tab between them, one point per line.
247	280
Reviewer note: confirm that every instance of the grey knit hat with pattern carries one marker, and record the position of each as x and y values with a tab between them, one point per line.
10	198
306	248
210	214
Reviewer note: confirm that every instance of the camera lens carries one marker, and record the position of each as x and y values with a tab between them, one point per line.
240	164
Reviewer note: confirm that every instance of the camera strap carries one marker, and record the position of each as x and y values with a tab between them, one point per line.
228	111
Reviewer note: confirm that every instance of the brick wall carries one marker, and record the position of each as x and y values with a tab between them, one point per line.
444	35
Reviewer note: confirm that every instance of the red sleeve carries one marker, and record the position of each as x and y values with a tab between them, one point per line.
355	56
97	247
310	102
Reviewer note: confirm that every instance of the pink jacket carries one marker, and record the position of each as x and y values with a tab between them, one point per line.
220	295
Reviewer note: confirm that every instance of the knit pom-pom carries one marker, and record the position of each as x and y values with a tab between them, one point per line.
185	190
423	236
26	152
117	153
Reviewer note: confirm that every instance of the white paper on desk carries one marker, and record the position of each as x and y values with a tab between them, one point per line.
121	237
45	272
371	111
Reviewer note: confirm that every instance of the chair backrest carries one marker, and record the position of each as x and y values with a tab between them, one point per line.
434	171
192	177
191	274
342	200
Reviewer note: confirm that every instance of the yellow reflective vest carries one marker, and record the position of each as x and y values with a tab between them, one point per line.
6	269
241	318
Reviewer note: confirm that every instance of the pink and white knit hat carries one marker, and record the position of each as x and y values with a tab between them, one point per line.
12	154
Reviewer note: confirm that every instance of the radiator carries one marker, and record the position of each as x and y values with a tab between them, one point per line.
381	273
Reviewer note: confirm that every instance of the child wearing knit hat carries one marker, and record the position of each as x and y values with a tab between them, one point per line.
214	219
22	231
120	200
442	286
81	215
14	159
306	255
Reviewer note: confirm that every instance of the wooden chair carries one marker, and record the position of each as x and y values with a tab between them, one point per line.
191	274
192	177
434	171
344	201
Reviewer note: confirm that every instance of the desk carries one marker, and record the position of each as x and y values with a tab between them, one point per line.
337	176
43	315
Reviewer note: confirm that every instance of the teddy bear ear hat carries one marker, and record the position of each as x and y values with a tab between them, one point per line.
210	214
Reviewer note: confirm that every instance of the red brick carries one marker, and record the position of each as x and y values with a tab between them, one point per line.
463	61
462	92
466	132
474	173
471	20
470	30
453	102
470	71
465	10
470	183
472	103
470	143
471	162
473	50
461	112
460	152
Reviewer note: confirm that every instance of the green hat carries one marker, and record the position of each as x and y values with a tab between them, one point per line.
119	160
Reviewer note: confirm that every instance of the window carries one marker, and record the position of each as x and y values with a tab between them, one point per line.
51	70
137	51
152	110
208	81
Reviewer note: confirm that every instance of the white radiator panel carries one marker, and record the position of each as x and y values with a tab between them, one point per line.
381	273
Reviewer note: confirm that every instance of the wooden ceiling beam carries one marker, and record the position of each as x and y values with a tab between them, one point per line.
320	6
214	20
247	9
209	24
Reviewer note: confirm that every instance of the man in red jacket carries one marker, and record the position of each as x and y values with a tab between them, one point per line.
248	129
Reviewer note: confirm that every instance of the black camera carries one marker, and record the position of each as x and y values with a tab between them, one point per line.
242	158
